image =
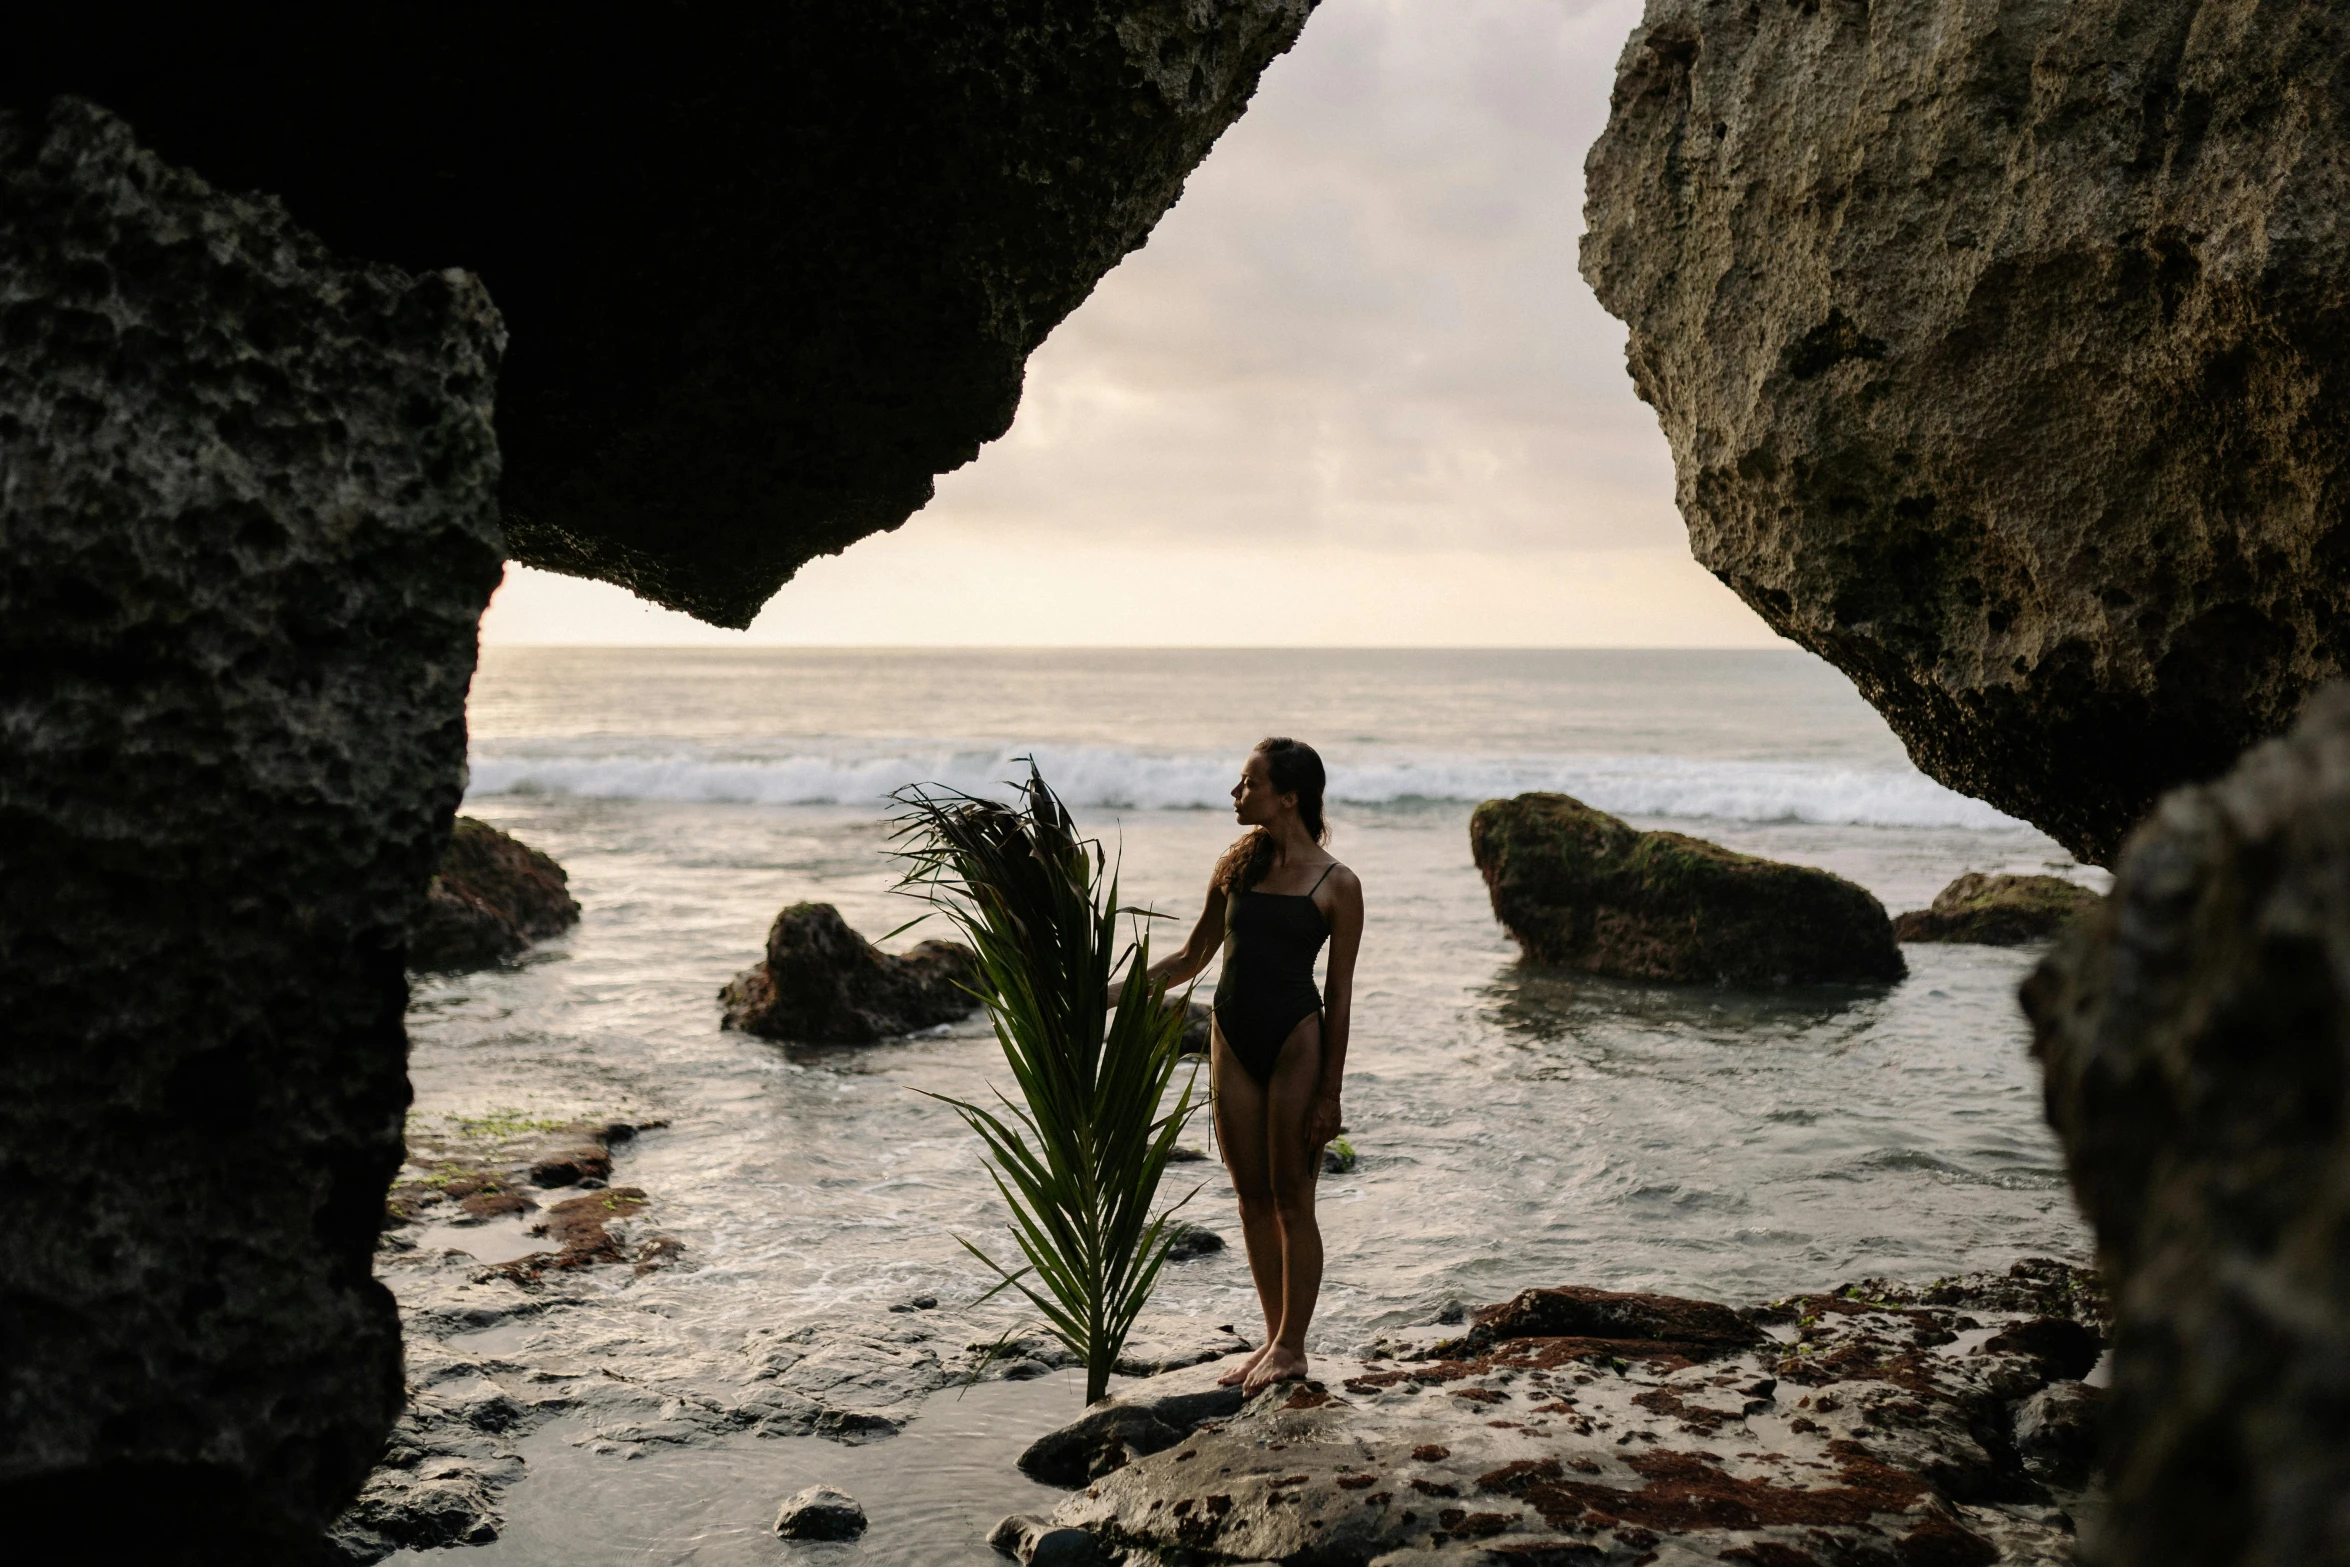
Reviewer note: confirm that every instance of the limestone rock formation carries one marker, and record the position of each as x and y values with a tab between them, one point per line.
2004	350
1997	911
248	497
492	897
2196	1034
822	983
1858	1426
1580	889
768	268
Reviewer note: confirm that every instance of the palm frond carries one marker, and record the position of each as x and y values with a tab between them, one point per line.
1079	1156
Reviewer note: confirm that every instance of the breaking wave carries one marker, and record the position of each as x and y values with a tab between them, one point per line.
1105	777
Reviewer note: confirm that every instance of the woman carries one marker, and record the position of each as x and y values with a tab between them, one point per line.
1278	1050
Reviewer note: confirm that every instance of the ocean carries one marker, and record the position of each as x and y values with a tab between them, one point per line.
1515	1127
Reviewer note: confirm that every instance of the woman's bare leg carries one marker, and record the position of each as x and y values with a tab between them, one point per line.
1240	1135
1292	1168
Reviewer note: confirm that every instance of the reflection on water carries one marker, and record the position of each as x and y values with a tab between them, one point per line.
1549	1004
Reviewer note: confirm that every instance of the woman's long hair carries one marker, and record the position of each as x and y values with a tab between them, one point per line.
1295	768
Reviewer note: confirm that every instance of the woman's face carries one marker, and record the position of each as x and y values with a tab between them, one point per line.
1254	800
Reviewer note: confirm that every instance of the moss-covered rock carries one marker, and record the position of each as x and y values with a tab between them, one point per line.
1997	911
1580	889
823	983
493	896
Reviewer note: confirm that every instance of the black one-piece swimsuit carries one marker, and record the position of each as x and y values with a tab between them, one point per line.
1267	988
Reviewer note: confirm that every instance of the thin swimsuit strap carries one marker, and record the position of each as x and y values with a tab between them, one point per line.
1325	876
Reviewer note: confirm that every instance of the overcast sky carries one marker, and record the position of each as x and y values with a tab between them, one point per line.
1352	393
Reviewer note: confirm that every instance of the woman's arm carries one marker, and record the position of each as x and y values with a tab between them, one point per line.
1338	997
1206	937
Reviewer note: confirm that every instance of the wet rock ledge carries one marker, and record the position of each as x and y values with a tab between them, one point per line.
1878	1424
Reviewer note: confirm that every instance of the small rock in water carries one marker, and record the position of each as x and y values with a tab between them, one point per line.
571	1166
1039	1543
1997	911
1581	890
917	1303
1338	1157
493	896
1182	1153
1193	1240
1026	1369
822	982
1451	1314
1198	1022
820	1513
2057	1431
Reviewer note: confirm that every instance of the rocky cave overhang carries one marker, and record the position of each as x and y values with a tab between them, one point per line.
766	269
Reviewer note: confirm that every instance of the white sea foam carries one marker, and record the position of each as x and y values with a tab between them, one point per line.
1104	777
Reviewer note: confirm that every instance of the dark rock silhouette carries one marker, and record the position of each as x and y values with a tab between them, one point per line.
250	524
2196	1035
1580	889
492	897
822	983
768	268
2005	358
1997	911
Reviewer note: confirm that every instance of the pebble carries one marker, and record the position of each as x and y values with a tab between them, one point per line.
820	1513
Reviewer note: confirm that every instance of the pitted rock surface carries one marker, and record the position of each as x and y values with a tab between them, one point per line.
2196	1034
1844	1428
768	268
2004	350
248	493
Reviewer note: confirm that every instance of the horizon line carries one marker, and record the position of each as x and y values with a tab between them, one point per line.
1165	647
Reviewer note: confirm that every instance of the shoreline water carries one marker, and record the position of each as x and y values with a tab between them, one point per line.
1517	1128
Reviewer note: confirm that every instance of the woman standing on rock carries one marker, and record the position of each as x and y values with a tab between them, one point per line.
1278	1049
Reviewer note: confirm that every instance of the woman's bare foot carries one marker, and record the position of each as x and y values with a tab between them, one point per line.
1239	1374
1277	1363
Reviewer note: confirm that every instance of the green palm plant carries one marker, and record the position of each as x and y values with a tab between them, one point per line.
1079	1159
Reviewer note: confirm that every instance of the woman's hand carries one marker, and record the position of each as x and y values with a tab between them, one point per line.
1324	1123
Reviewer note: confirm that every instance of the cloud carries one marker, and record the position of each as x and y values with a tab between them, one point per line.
1351	393
1362	323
